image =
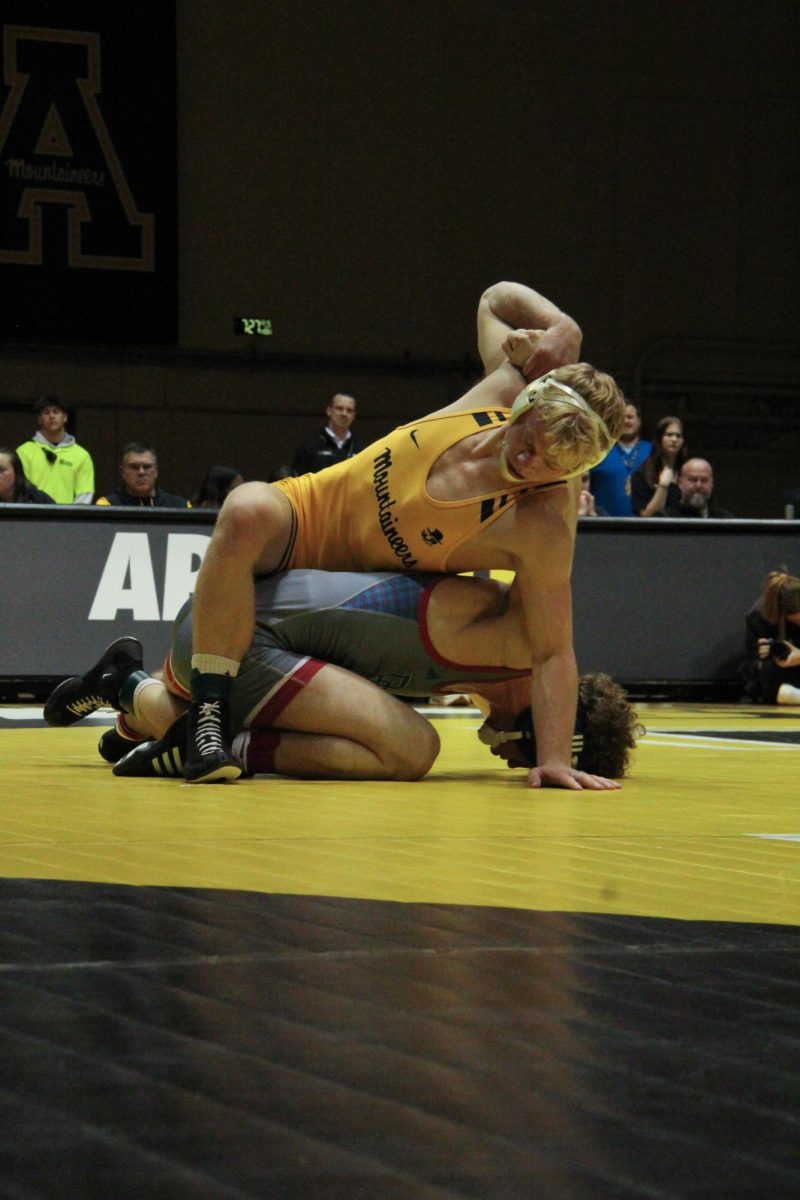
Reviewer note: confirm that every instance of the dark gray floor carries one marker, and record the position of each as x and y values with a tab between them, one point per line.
170	1043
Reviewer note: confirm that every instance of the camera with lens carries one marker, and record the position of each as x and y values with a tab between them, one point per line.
779	650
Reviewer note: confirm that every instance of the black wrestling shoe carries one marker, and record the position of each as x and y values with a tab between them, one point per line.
162	759
209	758
113	746
81	695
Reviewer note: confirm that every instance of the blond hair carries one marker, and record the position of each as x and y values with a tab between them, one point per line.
781	596
571	439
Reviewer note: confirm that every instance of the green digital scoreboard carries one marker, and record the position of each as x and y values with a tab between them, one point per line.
252	326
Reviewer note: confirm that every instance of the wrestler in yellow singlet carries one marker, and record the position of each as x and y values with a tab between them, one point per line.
346	517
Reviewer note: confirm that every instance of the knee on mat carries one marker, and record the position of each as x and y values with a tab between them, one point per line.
417	755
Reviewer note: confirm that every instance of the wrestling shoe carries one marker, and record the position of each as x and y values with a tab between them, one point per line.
162	759
81	695
209	758
113	746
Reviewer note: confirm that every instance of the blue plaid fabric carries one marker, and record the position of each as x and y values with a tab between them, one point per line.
398	596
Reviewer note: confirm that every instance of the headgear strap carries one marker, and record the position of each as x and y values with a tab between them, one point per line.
528	398
523	732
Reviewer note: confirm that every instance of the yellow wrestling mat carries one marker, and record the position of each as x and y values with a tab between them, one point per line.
707	827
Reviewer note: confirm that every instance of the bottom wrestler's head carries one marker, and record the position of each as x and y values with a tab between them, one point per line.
606	729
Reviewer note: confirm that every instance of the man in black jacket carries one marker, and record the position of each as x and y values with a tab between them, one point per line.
332	444
696	485
139	487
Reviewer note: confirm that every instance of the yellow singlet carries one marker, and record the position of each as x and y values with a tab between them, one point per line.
373	512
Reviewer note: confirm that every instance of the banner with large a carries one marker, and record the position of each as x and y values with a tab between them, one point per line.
88	229
136	567
75	578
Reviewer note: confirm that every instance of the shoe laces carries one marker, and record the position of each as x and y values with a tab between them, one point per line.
87	704
208	734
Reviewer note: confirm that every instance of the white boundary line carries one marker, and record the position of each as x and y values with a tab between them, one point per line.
701	741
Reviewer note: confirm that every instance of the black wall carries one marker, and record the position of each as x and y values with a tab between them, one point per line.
359	173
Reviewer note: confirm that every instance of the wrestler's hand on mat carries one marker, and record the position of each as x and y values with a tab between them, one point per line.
568	777
557	346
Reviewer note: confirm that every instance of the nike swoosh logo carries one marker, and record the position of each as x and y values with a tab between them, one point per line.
413	436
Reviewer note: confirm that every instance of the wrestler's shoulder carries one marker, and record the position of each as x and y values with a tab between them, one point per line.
544	504
539	511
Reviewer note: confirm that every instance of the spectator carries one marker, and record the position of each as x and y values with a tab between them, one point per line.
587	507
52	459
216	485
139	488
280	471
791	504
611	478
773	674
14	487
332	444
696	490
655	483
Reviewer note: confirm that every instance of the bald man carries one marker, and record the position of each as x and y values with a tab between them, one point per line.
696	486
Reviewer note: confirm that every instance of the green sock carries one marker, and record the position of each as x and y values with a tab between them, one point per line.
126	692
206	685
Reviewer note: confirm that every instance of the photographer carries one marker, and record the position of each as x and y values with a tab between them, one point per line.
771	625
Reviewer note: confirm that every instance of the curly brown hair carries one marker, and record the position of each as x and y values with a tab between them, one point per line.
606	728
610	726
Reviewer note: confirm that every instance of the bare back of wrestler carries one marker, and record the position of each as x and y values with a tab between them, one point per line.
316	694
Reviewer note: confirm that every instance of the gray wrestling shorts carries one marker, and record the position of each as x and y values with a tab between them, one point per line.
269	678
372	624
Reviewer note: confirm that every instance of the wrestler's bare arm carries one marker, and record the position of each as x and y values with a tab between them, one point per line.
506	314
546	528
546	601
505	307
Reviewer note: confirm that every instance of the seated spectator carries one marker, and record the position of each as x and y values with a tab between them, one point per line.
53	461
280	471
216	485
587	506
611	478
139	488
791	504
773	660
334	443
696	490
655	484
15	488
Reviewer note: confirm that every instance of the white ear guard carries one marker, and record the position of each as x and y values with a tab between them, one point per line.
523	732
492	737
540	387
